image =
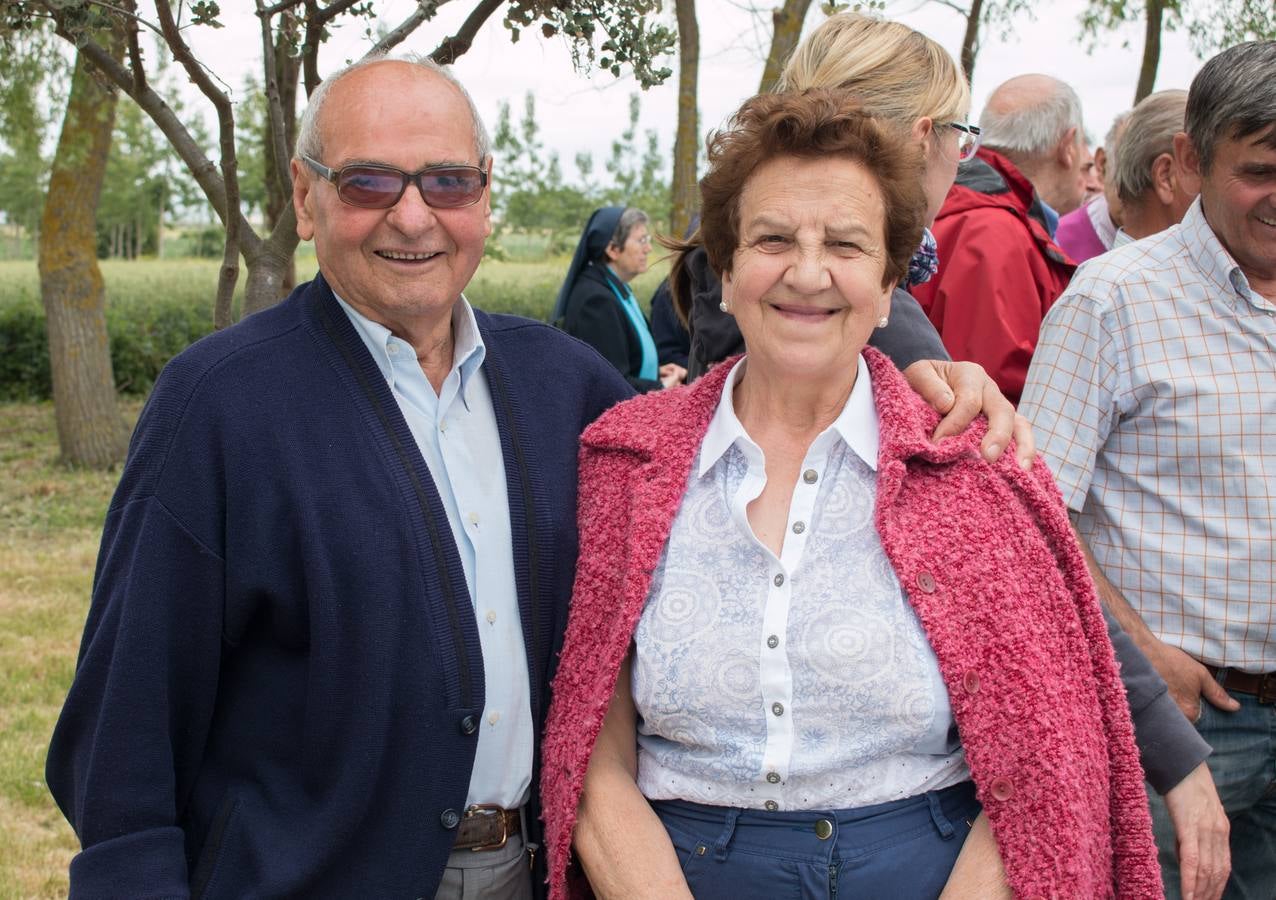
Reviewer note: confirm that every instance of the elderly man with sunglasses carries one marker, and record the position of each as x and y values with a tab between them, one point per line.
333	579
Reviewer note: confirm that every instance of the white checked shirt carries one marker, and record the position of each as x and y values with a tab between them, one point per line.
1152	395
798	682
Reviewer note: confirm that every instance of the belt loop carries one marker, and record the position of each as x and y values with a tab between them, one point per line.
728	830
945	827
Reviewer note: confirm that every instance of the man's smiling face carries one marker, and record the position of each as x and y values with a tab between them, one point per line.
1239	198
408	264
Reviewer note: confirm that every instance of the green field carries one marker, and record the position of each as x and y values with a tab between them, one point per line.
50	524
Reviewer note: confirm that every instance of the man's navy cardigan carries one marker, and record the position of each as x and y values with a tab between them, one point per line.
279	679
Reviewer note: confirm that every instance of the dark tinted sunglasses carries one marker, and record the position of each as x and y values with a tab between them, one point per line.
380	187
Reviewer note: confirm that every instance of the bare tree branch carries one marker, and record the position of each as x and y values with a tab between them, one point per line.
284	6
275	113
233	217
457	45
425	10
331	11
135	53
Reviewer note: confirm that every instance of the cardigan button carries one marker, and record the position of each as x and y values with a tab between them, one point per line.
469	725
926	582
1002	789
450	819
970	681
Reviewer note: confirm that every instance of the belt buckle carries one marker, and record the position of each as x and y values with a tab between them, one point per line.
491	809
1266	692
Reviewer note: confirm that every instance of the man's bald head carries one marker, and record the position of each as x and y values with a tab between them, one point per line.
310	129
1035	121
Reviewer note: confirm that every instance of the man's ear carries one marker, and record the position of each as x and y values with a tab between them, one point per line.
1066	151
1101	163
301	199
1163	176
1189	162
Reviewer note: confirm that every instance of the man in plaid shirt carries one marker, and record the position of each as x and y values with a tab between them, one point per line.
1153	398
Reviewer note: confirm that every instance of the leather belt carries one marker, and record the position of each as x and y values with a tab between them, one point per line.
1261	685
486	826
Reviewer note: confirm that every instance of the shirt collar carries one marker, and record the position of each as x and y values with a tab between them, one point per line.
468	350
1212	258
856	424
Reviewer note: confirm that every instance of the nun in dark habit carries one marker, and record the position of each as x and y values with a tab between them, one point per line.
597	305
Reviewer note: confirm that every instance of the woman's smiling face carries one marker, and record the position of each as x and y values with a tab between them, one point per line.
805	283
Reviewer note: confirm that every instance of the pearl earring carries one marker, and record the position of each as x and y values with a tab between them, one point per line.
722	305
882	322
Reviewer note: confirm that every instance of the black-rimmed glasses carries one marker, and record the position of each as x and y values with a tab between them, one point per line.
380	187
968	139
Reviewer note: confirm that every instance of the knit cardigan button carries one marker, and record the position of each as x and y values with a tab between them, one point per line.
450	819
970	681
926	582
469	725
1002	789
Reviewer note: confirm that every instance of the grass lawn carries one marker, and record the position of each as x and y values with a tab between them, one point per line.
50	522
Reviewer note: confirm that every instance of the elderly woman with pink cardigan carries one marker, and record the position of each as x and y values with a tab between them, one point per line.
812	653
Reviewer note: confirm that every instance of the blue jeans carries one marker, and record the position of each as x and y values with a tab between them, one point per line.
1244	768
903	850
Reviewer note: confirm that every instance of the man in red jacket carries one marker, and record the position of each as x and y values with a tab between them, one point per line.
999	267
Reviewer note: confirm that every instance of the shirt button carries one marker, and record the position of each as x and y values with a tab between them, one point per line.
392	349
443	426
450	819
474	518
779	580
773	777
777	708
771	806
491	616
1002	789
799	527
773	641
970	681
493	718
469	725
810	476
926	582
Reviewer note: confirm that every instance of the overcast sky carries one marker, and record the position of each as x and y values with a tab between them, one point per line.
583	112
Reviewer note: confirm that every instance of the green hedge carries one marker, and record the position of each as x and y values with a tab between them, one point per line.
156	308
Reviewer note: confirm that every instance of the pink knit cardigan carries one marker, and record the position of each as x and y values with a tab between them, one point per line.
987	558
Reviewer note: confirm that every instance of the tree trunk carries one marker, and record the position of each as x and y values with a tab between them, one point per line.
970	41
279	196
267	273
159	226
91	431
1151	49
686	145
788	21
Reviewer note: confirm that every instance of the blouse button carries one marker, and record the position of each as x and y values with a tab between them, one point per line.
773	777
926	582
970	681
799	527
810	476
773	641
777	708
779	580
772	806
1002	789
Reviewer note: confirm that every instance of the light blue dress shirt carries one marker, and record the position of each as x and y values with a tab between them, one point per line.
456	432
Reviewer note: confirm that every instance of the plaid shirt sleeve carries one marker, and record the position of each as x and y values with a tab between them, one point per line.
1074	386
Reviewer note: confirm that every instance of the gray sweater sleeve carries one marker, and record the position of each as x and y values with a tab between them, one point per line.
909	336
1169	747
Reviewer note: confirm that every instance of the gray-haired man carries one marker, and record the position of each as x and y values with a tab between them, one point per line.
1151	393
1154	189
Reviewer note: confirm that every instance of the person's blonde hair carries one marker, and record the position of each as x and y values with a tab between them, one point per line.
895	73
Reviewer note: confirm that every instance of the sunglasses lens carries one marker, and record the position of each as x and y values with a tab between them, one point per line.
370	188
452	188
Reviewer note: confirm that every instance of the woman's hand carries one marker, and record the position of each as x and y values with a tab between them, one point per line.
963	390
619	840
978	873
672	375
